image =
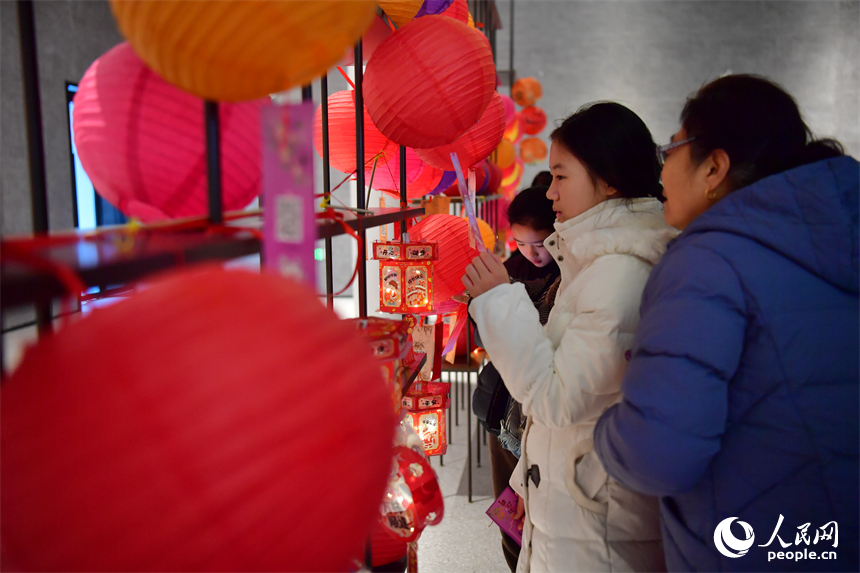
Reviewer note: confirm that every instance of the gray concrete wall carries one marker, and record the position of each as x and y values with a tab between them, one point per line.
651	54
71	34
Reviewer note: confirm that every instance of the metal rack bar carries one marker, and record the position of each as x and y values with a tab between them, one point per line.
359	172
213	162
329	252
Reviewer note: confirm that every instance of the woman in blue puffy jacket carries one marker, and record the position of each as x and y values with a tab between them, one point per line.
740	406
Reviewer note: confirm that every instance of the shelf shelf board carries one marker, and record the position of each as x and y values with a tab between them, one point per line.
105	262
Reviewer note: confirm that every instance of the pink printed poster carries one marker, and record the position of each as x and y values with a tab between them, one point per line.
289	227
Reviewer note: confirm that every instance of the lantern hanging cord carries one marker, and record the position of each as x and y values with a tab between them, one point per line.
346	77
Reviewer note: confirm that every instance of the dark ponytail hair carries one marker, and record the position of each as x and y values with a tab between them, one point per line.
614	145
757	123
531	208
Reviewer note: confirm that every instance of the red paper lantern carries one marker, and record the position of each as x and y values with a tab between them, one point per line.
526	91
191	427
476	144
429	82
452	235
494	178
406	276
533	120
386	549
341	135
458	10
142	141
427	180
533	150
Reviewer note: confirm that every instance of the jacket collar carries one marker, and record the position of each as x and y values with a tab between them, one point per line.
616	226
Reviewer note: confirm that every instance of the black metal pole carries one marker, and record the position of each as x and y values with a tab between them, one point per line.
511	52
329	252
307	93
35	143
33	110
403	199
359	177
213	162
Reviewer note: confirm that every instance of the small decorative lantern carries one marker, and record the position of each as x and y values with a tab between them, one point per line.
405	275
413	499
388	342
424	407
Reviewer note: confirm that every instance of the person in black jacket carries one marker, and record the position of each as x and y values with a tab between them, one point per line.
531	218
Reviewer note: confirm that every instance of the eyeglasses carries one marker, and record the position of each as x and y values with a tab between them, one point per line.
663	150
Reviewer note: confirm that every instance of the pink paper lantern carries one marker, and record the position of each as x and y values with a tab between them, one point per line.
429	82
195	426
510	109
476	144
142	141
387	174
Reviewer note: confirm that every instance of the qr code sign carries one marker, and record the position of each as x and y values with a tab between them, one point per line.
289	224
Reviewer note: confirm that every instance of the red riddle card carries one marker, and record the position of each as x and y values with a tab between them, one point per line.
502	512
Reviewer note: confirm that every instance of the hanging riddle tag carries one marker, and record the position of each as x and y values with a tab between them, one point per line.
288	190
475	240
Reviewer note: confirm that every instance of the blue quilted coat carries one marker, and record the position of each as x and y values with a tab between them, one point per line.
741	399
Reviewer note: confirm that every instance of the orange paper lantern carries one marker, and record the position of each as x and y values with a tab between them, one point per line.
532	150
451	233
474	145
142	141
169	432
400	11
514	131
341	135
236	50
526	91
429	82
505	153
533	120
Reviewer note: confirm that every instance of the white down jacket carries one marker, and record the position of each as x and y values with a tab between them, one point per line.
565	375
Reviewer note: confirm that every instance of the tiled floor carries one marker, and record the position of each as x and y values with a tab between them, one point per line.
466	540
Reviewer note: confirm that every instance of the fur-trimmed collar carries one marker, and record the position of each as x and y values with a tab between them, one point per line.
616	226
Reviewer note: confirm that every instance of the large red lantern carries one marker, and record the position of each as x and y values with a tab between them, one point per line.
429	82
192	427
341	135
452	235
476	144
142	141
533	120
526	91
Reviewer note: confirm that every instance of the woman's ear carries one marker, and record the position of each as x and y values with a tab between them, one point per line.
717	176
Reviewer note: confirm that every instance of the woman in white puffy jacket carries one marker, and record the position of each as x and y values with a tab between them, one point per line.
609	232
